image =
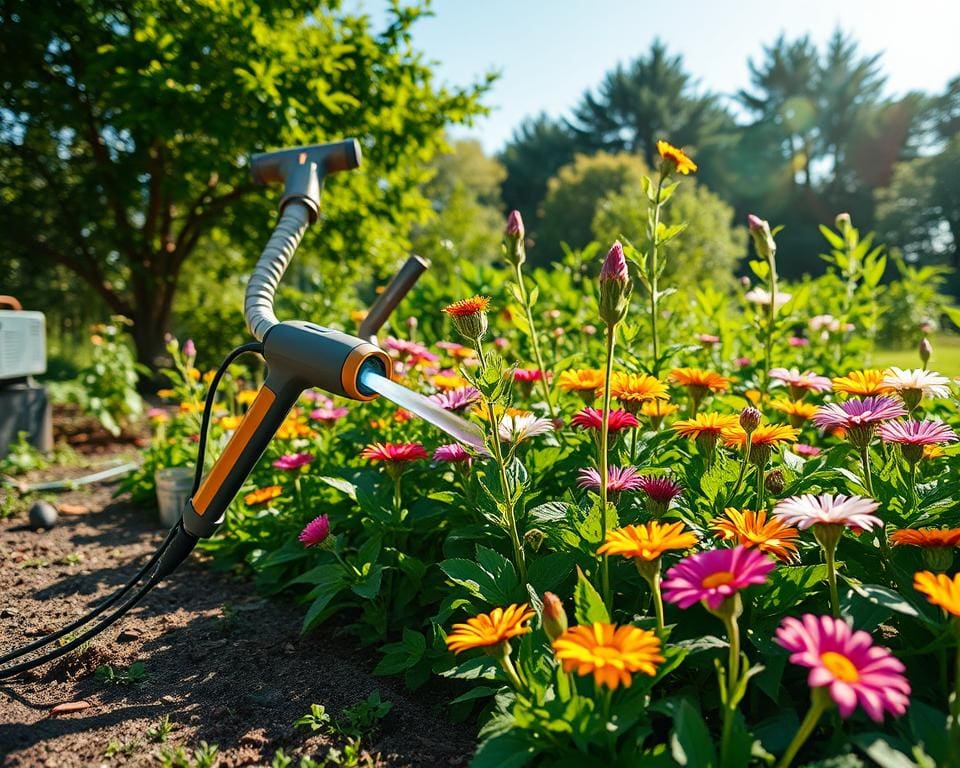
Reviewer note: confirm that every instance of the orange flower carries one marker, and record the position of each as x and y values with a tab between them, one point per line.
658	408
798	411
261	495
490	629
940	589
753	529
647	542
194	373
188	407
862	383
465	307
246	396
230	422
292	429
581	380
926	537
700	379
166	394
611	653
448	381
932	451
681	162
706	423
635	388
765	434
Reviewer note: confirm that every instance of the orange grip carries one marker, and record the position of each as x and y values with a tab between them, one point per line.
221	468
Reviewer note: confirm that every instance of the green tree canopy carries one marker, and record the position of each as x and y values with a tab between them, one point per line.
125	126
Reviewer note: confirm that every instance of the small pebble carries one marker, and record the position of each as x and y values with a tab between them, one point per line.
43	515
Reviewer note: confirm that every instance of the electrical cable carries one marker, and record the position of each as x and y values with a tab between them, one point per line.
153	562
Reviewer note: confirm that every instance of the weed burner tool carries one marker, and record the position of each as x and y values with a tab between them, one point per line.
299	355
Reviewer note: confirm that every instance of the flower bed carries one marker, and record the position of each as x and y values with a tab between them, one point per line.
737	552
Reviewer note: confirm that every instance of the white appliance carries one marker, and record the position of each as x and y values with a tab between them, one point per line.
23	344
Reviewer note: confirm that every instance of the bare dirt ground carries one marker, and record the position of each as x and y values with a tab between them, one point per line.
225	666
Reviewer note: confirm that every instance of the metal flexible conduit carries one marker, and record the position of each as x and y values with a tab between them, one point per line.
283	243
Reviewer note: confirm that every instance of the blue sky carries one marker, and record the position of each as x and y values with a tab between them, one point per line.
548	53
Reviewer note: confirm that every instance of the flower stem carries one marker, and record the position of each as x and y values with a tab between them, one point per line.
535	342
829	556
733	675
743	470
655	339
397	497
760	489
511	672
818	703
657	600
865	460
603	462
913	486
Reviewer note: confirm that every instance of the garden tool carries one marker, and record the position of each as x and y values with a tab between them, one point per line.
299	355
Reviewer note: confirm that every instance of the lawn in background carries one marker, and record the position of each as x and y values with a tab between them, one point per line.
945	358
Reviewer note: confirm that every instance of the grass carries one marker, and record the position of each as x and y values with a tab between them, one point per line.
945	358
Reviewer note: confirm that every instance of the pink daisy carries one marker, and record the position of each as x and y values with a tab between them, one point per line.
857	413
410	351
328	414
452	452
855	512
802	449
293	461
917	432
456	399
591	418
799	383
660	492
854	670
315	531
715	575
618	479
394	452
526	375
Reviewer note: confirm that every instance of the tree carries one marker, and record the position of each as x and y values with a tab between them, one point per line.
572	199
124	127
465	194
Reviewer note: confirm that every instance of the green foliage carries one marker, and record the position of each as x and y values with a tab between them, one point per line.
135	674
316	719
158	733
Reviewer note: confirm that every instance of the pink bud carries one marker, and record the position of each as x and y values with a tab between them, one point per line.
755	222
615	265
515	224
189	349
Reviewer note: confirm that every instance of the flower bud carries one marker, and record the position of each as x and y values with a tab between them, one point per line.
554	616
189	349
842	222
513	245
775	482
412	322
926	349
763	240
615	286
470	317
533	539
749	419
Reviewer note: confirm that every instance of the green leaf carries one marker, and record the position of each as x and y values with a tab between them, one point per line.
369	588
690	742
588	605
345	486
878	748
509	750
547	572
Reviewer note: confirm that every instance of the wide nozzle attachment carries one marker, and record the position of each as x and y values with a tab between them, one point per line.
303	169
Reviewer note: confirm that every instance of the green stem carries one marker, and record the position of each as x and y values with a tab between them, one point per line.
760	489
771	319
913	486
397	496
955	705
507	665
535	342
818	704
604	468
654	582
829	556
733	676
511	521
655	338
865	461
743	469
633	446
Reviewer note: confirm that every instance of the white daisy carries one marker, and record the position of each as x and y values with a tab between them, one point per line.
517	428
929	383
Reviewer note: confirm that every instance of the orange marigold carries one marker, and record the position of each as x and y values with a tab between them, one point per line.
926	537
700	379
799	409
753	529
635	388
472	306
262	495
610	652
940	590
490	630
706	423
680	159
647	542
581	380
765	434
862	383
658	408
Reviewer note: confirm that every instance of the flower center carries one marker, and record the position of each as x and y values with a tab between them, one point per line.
840	666
717	579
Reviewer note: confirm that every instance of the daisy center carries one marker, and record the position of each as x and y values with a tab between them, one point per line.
840	666
717	579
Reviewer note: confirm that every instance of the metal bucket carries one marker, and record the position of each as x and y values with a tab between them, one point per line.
173	489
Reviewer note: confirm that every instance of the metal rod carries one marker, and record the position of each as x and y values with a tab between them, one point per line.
392	295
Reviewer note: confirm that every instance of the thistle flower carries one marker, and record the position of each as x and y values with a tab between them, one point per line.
854	512
847	663
749	419
457	400
611	653
591	418
513	240
452	452
869	381
753	530
189	349
315	532
674	159
491	631
517	427
712	577
940	589
470	317
858	417
915	384
763	241
293	461
618	479
659	492
801	383
615	286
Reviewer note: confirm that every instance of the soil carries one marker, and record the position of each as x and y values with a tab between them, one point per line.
236	677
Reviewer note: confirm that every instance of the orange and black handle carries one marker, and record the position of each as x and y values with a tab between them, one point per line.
299	356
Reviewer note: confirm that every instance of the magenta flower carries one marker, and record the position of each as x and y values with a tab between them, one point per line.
799	383
856	512
711	577
293	461
755	223
394	452
410	352
189	349
614	265
328	414
660	492
917	432
452	452
526	375
798	341
456	399
315	532
848	664
858	417
318	397
591	418
802	449
618	479
515	224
